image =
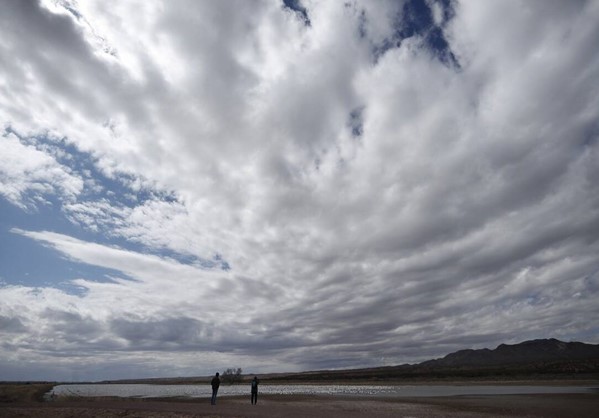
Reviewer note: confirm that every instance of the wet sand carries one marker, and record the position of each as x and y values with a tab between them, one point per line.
567	405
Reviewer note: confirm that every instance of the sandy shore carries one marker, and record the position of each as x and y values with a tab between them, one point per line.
26	401
572	405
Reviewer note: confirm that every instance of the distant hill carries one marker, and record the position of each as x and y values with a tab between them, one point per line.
527	352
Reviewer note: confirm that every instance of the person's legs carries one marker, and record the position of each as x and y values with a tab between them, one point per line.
213	401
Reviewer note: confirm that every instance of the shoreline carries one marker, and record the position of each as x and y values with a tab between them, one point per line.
297	406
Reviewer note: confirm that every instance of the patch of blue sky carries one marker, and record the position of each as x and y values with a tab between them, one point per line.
299	9
118	193
417	19
27	262
120	189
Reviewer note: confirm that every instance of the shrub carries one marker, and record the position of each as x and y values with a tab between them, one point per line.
231	376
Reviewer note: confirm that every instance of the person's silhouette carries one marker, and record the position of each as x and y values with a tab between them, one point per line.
215	384
254	386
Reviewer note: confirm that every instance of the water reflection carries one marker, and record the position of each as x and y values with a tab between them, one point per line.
200	391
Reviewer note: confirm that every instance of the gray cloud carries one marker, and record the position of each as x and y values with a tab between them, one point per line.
11	324
159	334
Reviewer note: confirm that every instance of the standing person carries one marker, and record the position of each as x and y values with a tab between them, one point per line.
215	384
254	386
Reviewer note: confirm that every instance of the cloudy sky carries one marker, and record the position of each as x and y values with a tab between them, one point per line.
187	186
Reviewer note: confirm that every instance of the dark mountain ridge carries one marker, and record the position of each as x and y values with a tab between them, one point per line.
545	350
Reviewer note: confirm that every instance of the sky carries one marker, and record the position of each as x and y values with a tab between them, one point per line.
190	186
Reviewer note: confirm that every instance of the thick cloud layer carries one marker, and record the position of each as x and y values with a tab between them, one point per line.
298	185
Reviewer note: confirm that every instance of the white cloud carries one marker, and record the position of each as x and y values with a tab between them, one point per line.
29	176
437	12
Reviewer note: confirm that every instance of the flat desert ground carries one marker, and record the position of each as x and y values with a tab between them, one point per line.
25	401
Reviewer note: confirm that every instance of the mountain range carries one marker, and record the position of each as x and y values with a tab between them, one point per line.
546	350
542	358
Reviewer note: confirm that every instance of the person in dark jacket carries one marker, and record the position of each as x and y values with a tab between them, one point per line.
254	386
215	384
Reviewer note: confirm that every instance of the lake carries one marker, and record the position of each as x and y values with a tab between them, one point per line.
201	391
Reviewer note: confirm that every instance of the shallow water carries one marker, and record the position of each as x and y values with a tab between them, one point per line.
201	391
